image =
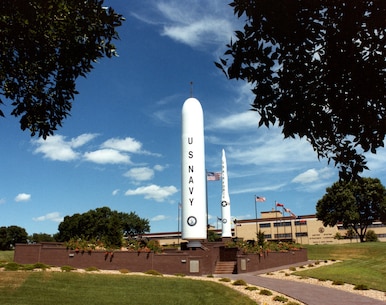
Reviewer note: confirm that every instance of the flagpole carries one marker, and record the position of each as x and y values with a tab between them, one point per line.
277	227
254	199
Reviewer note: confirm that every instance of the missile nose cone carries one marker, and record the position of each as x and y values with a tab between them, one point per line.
192	115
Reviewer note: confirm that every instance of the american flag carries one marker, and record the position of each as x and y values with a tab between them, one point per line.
213	176
260	199
279	204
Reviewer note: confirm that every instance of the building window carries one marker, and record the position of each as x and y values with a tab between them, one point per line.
267	236
301	234
282	224
300	222
265	225
283	235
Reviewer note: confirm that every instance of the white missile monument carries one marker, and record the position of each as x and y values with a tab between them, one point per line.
193	174
225	200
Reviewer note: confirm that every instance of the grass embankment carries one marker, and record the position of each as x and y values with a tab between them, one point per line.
363	263
73	288
58	288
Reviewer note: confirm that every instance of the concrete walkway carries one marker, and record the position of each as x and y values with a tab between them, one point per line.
306	293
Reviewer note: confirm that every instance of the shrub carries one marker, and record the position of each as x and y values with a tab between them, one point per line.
287	274
12	267
210	275
225	279
41	266
310	265
239	283
337	282
91	269
265	292
292	303
371	236
153	272
124	271
180	274
67	268
251	288
361	287
280	298
292	268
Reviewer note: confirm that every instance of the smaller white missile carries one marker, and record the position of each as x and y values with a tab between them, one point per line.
225	200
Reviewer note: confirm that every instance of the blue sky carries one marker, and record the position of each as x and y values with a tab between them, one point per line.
121	145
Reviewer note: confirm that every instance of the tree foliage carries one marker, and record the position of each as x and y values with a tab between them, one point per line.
356	204
102	224
9	236
41	237
45	46
317	69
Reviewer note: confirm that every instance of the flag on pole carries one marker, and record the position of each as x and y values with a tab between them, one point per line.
279	204
213	176
260	199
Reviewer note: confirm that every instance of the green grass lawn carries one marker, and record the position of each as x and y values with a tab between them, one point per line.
363	263
90	288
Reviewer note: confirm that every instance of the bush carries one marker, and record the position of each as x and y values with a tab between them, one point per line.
67	268
239	283
371	236
292	303
265	292
280	298
337	282
292	268
180	274
361	287
251	288
41	266
153	272
225	279
124	271
91	269
12	267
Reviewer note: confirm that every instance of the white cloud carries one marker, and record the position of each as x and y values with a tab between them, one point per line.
239	121
158	193
2	200
194	23
115	192
159	168
54	216
127	144
107	156
140	173
57	148
308	176
312	175
159	218
209	30
22	197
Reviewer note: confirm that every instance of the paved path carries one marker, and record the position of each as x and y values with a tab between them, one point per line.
306	293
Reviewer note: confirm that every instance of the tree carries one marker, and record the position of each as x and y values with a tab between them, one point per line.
317	70
45	46
9	236
102	224
41	237
356	204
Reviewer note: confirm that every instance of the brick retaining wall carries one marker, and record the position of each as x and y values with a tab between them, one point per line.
190	262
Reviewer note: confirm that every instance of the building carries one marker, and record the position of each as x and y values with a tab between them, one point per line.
306	229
